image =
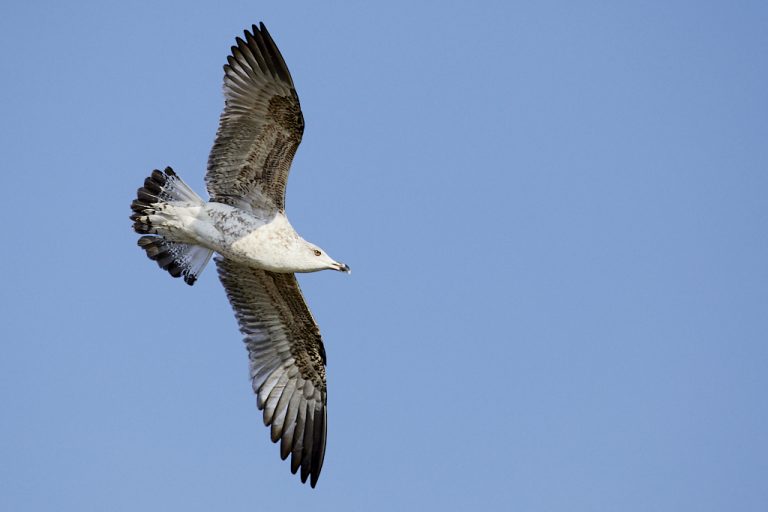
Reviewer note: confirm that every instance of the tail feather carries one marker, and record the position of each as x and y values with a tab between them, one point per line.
159	188
178	258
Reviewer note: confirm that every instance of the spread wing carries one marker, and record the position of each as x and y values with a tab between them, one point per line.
260	128
287	360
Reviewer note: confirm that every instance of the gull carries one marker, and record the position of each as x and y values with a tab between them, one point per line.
258	251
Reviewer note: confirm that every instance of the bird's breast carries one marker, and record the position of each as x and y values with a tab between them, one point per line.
250	239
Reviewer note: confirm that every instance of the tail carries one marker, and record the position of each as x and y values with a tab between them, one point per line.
179	259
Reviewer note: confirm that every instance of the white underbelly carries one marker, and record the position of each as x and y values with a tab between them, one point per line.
242	236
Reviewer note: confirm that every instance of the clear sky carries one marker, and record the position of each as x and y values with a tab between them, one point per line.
555	213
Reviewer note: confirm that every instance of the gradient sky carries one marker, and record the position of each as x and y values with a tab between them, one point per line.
556	217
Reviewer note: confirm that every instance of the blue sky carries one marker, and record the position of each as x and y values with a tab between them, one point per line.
556	217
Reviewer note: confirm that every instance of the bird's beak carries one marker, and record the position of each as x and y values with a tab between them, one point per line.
341	267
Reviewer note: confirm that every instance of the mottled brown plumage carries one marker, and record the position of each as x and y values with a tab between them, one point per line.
259	132
287	360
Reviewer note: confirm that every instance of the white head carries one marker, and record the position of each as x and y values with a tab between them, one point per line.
312	258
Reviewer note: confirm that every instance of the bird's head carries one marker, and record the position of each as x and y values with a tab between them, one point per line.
318	259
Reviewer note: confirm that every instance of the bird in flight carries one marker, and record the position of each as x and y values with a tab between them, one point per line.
258	251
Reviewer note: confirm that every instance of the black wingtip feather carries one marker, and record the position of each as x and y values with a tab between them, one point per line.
264	50
261	46
318	452
309	442
271	48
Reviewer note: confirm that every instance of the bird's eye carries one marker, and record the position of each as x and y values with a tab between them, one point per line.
317	253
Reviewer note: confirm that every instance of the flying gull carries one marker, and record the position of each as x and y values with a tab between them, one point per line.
258	251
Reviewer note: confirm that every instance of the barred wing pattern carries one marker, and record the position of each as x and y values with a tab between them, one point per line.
287	360
260	128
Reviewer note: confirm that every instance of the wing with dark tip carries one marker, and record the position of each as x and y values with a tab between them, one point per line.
287	360
260	128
